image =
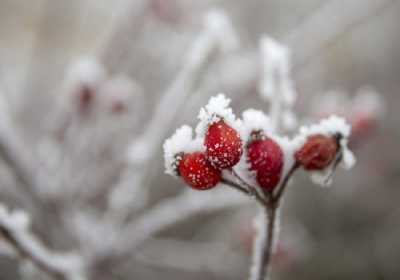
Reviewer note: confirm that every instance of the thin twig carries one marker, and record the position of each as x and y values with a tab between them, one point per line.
252	189
282	187
246	191
235	186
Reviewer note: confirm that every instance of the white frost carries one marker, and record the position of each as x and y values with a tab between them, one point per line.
254	120
87	71
216	109
367	100
16	224
181	142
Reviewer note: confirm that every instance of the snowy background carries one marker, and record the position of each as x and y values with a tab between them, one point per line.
348	231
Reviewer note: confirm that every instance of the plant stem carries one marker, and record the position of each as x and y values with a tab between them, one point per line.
264	244
263	252
277	197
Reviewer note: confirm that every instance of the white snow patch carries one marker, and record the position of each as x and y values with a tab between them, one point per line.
348	159
218	22
275	59
86	70
369	101
216	109
181	142
329	127
254	120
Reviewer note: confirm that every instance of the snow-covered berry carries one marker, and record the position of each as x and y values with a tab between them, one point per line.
223	145
266	158
318	152
197	172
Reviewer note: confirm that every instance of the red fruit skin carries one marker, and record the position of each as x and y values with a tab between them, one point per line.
318	152
197	172
266	159
223	145
362	126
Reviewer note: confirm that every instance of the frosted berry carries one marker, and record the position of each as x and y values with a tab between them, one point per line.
318	152
223	145
197	172
266	159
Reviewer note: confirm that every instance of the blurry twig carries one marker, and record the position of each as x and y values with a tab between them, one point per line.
173	210
14	229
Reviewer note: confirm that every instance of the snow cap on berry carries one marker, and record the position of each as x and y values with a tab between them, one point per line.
254	121
216	109
181	142
332	127
257	121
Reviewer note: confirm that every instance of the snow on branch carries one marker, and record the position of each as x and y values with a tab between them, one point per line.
15	153
276	85
217	35
14	227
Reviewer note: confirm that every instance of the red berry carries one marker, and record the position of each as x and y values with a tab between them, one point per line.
197	172
223	145
266	159
118	107
362	124
318	152
85	97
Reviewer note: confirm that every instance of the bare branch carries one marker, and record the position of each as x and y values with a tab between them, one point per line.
14	228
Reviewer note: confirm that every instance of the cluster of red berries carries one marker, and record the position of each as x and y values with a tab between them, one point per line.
265	157
223	150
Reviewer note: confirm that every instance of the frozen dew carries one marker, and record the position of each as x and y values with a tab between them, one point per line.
181	142
254	120
216	109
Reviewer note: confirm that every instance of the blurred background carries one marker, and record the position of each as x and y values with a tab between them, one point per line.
348	231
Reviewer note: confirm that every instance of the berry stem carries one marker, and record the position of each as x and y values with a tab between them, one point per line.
235	186
245	190
263	198
281	189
